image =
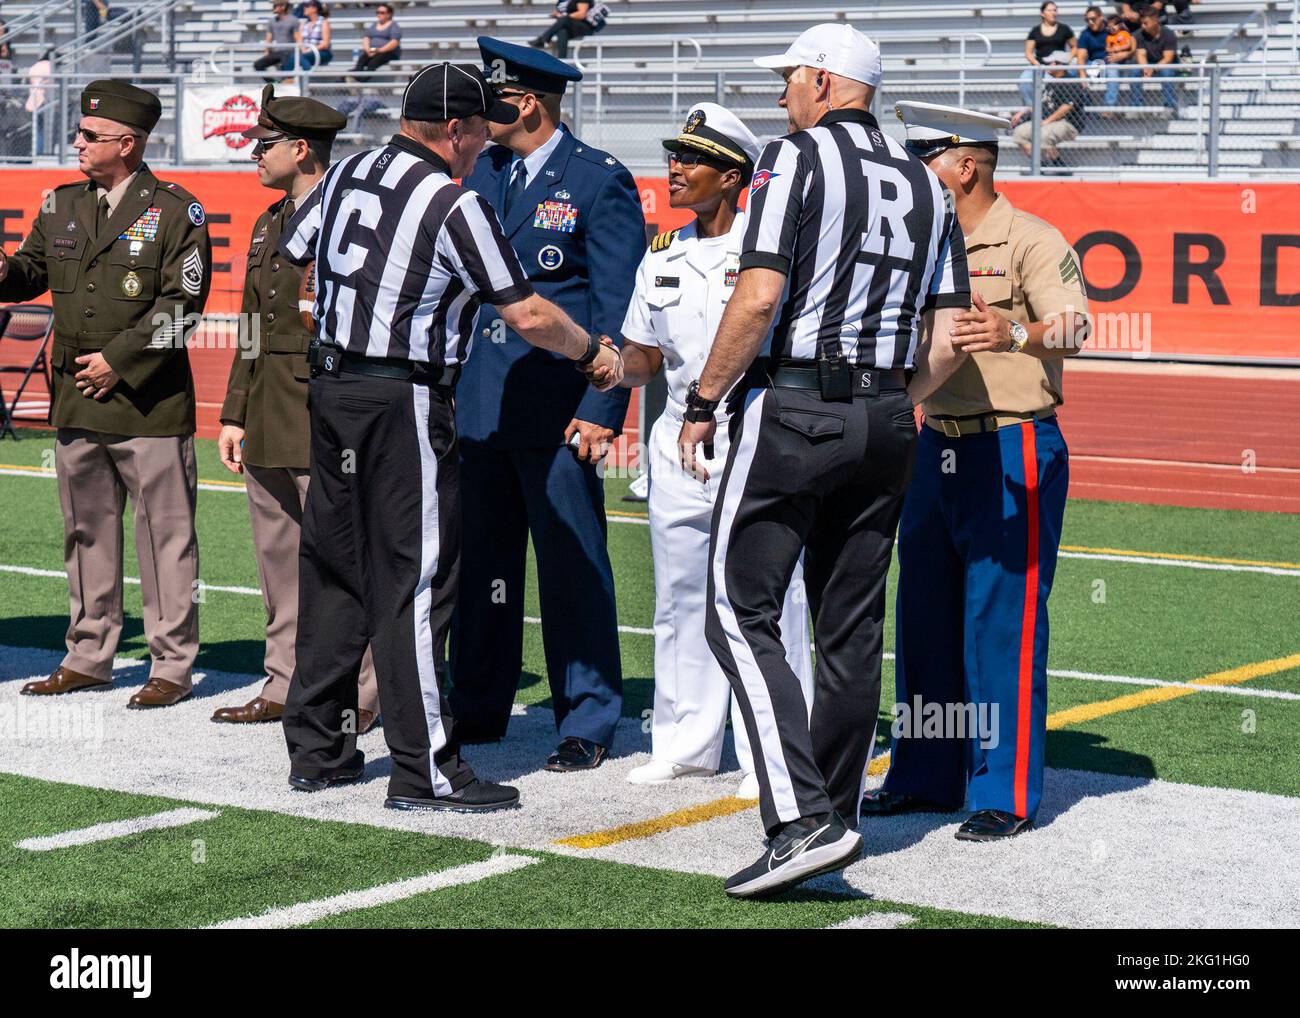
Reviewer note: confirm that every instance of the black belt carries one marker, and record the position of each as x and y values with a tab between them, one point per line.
791	374
383	367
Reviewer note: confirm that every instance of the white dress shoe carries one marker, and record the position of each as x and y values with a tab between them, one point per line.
748	787
660	772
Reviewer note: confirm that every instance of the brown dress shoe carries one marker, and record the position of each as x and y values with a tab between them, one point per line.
257	709
365	721
64	680
158	693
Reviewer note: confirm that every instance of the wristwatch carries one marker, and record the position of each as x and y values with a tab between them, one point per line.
698	409
593	348
1019	338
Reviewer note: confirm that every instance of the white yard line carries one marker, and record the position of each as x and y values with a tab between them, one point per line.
1141	560
875	921
1108	850
117	829
310	911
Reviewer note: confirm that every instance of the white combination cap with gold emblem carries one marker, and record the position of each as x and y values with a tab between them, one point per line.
931	128
716	131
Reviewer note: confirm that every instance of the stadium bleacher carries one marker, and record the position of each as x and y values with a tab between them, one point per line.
642	77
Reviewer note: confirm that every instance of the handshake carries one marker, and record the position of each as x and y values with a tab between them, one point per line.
605	369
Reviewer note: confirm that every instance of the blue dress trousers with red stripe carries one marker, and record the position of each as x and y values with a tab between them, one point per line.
977	550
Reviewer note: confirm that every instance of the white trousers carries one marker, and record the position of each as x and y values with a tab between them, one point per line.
691	692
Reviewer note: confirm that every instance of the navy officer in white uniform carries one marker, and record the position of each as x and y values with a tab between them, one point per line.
682	288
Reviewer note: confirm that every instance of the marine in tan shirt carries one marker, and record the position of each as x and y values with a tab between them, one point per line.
266	431
982	520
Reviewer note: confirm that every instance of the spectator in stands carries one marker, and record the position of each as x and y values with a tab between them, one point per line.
1047	37
313	31
1157	54
1128	13
1064	103
382	41
1121	57
39	105
94	13
281	34
1092	40
574	19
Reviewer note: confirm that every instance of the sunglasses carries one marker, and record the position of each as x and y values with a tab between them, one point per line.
266	143
94	137
691	158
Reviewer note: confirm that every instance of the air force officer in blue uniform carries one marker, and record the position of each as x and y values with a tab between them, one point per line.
573	215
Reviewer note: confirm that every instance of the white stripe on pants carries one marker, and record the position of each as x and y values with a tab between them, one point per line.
691	691
424	645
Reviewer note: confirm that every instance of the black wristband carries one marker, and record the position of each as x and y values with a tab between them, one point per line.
698	409
593	348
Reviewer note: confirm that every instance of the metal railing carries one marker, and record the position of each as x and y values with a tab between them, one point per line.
1199	122
39	20
129	26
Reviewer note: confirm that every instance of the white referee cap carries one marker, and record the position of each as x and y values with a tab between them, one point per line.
931	128
835	46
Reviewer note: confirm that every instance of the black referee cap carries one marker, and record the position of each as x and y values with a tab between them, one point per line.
448	91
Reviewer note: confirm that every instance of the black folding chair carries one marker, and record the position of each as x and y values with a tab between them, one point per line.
25	323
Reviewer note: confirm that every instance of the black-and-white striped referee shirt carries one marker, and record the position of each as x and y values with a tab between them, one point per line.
404	256
865	234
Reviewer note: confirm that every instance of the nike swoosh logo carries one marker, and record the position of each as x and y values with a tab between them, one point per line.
796	848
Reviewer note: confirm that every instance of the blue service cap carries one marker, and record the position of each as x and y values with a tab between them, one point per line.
507	63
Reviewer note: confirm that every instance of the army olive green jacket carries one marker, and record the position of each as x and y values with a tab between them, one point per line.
133	290
267	391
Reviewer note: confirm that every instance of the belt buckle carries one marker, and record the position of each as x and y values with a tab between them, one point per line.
951	429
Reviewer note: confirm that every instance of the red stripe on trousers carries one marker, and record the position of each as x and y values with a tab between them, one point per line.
1024	702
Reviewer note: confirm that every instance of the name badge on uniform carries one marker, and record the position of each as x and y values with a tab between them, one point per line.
555	215
65	241
672	281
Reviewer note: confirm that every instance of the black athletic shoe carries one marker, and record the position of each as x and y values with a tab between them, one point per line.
574	754
992	825
801	850
351	771
478	796
888	804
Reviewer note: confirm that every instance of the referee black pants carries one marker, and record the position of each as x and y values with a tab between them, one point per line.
378	565
826	478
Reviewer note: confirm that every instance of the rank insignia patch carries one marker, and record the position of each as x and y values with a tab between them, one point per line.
192	273
556	215
144	228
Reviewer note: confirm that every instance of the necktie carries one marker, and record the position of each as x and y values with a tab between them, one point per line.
103	210
517	184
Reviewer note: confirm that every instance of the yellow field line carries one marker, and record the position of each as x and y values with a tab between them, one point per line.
1160	694
879	764
657	825
629	515
1176	557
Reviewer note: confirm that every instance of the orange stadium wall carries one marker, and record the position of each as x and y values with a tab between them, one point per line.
1174	268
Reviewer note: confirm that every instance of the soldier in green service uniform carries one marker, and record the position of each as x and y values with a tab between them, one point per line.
126	258
266	434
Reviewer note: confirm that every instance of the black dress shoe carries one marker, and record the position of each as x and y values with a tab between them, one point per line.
885	804
350	771
574	754
478	796
992	825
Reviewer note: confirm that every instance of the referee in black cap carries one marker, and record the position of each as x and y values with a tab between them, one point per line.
403	258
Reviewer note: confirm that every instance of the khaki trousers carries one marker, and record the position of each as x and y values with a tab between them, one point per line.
276	497
96	473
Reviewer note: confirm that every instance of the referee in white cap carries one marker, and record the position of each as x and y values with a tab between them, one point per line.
852	261
403	256
682	288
